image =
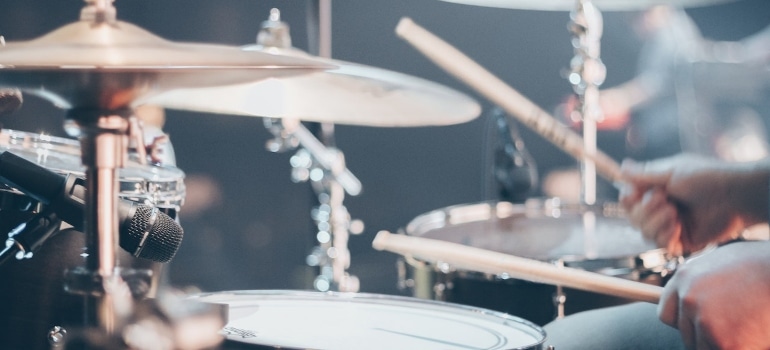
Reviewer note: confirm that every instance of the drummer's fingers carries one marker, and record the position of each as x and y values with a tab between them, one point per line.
647	174
654	214
662	226
675	247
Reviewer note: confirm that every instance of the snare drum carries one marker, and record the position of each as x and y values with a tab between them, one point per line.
161	185
315	320
35	287
594	238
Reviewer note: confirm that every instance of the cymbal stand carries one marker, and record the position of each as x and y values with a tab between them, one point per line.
103	139
587	73
325	168
103	135
320	16
318	162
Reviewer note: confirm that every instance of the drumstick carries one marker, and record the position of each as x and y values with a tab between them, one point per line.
481	260
485	83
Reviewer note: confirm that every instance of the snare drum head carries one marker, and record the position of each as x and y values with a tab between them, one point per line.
314	320
545	230
162	186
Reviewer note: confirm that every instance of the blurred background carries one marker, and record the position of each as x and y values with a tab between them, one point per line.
247	224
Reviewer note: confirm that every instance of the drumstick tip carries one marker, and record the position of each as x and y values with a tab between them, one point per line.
379	240
404	25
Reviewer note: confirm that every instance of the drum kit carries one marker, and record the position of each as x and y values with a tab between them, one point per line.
126	187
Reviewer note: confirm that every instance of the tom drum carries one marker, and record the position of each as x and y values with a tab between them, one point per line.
594	238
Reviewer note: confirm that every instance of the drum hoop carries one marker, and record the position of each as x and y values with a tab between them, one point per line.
464	213
470	212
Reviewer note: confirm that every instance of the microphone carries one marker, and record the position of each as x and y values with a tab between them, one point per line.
144	231
10	100
514	169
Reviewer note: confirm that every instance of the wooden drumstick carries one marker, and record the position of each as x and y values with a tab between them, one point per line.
497	91
481	260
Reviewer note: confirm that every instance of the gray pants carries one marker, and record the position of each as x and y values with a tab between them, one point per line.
632	326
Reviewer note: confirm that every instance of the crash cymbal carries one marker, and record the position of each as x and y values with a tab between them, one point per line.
104	63
352	94
603	5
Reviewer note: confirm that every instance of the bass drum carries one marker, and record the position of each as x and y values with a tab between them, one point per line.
34	288
594	238
340	321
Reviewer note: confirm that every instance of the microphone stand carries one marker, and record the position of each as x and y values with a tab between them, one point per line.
25	239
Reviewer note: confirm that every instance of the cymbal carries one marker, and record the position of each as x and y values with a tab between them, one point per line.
111	64
603	5
353	94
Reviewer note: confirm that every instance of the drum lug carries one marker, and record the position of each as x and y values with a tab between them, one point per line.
56	336
404	281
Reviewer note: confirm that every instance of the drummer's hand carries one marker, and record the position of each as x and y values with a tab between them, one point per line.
685	202
720	300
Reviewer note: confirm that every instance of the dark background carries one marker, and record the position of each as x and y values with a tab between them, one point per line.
257	231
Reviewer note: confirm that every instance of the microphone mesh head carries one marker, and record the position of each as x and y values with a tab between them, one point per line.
163	240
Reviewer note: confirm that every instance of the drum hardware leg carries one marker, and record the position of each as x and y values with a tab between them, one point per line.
103	139
325	168
586	75
405	282
559	299
442	288
559	296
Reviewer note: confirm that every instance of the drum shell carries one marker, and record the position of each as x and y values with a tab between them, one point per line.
533	301
35	293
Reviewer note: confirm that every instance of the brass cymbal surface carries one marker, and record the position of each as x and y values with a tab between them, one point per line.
110	65
353	94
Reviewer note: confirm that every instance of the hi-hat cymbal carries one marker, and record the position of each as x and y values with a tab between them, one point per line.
603	5
111	64
353	94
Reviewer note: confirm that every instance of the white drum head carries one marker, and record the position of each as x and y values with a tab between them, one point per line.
314	320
